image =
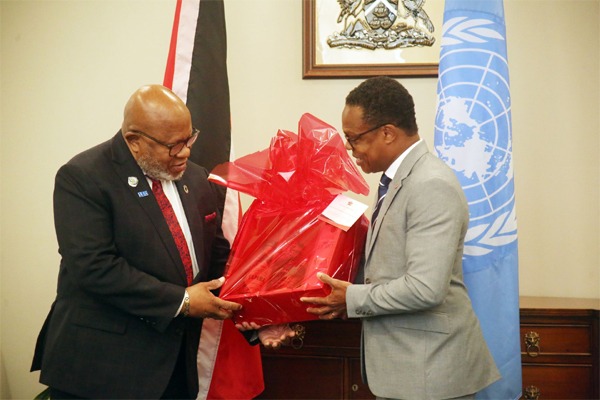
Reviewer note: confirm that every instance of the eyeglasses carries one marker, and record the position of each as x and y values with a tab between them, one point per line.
351	141
174	148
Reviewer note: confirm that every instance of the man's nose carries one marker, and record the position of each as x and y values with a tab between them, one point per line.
184	153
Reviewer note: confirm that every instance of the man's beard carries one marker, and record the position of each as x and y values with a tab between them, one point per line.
154	170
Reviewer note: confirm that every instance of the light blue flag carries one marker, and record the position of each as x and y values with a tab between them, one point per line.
473	136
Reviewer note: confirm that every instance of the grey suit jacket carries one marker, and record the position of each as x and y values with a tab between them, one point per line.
421	338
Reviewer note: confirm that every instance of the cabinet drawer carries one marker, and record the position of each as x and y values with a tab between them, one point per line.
559	381
297	377
356	388
558	339
326	334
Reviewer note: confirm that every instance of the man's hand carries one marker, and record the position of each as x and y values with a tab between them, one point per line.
271	336
334	305
204	304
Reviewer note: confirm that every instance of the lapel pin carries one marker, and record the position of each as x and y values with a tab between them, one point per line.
143	193
185	189
132	181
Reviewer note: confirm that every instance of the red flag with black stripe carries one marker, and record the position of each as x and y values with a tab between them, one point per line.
228	367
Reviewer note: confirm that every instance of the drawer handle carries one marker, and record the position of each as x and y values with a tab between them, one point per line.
531	393
532	344
298	340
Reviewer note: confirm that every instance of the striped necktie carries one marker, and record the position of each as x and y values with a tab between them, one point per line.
174	227
384	184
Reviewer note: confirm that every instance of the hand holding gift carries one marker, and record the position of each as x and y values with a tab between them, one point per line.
334	304
203	304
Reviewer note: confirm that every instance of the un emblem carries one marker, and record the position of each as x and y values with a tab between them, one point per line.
473	130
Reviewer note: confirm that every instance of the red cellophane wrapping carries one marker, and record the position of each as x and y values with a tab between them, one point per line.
282	243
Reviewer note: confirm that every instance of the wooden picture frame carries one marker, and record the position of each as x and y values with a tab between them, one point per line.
365	62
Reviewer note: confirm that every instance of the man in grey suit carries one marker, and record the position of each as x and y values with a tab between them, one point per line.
421	338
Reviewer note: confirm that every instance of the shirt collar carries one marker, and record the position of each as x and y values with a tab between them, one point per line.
392	169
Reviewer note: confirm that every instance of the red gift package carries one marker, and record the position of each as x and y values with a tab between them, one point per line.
283	241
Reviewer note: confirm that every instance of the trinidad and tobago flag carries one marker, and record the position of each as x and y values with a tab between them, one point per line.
228	367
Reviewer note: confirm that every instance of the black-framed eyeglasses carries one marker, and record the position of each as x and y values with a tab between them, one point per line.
174	148
351	141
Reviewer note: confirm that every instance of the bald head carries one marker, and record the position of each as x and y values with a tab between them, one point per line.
154	105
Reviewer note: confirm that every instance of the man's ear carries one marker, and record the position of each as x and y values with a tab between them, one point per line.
133	141
391	133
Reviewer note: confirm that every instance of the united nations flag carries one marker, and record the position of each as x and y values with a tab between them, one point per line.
473	136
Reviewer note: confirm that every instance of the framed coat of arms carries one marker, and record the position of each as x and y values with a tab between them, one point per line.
362	38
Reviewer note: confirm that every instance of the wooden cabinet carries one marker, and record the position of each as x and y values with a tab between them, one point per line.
559	348
326	367
559	343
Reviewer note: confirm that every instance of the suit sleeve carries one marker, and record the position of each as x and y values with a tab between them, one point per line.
91	261
435	218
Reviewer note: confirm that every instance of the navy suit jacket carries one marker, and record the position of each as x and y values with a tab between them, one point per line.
111	332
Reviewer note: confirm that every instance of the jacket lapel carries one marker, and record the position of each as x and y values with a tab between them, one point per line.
403	171
131	175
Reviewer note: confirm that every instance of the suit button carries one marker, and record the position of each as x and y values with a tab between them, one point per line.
368	280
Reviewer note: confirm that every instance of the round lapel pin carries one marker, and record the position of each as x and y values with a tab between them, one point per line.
132	181
185	189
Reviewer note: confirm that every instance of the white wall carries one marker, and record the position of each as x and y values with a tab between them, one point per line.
67	68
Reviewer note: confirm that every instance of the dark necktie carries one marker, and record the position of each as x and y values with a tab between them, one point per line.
174	227
384	184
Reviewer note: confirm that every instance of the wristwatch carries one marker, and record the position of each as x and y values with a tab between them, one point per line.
185	308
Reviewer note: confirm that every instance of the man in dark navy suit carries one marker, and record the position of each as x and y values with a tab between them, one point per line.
128	313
